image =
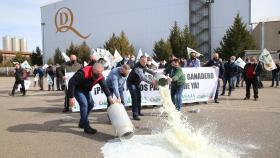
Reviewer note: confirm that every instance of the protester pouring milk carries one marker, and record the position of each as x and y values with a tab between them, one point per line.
178	81
115	82
79	88
134	79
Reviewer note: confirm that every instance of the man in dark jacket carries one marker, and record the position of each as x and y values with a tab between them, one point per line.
230	70
80	86
70	66
215	62
133	83
275	75
251	72
18	79
59	76
50	72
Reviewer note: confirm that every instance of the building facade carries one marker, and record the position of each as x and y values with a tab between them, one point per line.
144	22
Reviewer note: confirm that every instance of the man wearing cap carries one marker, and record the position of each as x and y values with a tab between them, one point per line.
79	87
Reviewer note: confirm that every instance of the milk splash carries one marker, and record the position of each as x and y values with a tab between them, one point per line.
177	140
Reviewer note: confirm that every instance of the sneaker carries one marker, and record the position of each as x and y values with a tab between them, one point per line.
136	118
141	114
246	98
90	130
216	101
222	94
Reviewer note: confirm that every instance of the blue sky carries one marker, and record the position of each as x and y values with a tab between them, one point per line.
21	18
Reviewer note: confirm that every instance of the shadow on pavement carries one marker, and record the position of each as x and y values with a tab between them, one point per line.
59	126
40	109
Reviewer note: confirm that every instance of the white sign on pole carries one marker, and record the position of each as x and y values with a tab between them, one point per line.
239	62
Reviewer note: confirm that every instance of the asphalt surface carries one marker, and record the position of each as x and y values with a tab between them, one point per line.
33	126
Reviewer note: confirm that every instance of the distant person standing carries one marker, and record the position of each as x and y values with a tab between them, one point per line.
230	70
193	61
19	80
215	62
40	72
275	75
70	66
178	81
251	72
59	77
134	79
50	77
35	75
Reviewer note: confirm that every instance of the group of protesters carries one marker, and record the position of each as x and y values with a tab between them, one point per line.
132	73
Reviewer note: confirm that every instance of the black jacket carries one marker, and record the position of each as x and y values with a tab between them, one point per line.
276	71
137	74
230	70
18	74
216	63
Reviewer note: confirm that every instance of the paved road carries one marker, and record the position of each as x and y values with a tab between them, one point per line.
31	126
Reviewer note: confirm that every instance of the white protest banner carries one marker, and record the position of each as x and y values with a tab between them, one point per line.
201	85
117	57
65	57
153	61
267	60
239	62
140	53
25	65
45	66
191	50
85	63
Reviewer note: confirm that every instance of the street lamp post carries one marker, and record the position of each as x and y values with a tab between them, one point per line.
208	2
43	40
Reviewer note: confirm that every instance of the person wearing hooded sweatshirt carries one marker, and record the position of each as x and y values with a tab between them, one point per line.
80	86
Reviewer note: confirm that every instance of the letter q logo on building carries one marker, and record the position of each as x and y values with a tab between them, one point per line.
64	19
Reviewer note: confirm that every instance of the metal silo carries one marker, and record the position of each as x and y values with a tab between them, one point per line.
7	43
23	45
16	44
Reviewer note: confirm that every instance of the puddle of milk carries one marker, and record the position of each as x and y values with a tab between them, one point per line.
177	140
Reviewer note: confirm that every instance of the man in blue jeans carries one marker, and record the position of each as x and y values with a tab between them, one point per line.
134	79
178	81
80	86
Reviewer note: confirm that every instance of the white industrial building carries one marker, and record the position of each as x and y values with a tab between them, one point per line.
144	22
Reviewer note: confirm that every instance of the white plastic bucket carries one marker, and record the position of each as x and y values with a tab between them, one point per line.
120	121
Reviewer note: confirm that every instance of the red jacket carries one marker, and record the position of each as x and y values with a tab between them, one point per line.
83	80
